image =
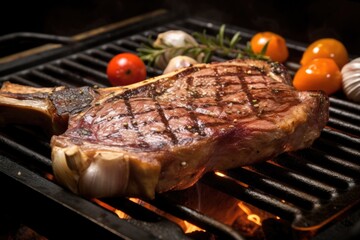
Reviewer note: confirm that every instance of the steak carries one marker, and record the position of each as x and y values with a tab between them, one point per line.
166	132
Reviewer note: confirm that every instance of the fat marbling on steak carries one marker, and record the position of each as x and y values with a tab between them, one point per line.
164	133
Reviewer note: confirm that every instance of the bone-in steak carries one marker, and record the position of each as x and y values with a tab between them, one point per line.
166	132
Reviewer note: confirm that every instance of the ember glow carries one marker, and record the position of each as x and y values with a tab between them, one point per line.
119	213
185	225
189	228
243	217
250	216
220	174
49	176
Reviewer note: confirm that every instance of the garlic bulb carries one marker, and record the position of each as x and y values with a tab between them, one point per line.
104	174
170	41
179	62
351	80
174	38
107	175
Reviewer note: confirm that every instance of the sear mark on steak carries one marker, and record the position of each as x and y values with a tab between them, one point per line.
72	100
164	133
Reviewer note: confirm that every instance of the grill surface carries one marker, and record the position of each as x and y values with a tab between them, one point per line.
302	191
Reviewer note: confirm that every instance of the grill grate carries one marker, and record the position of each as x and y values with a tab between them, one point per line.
306	189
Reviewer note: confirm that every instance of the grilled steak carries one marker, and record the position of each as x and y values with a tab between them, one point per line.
164	133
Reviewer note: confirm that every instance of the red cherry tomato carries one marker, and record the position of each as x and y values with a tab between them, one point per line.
125	69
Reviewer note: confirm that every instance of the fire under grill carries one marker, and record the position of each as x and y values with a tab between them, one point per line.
297	195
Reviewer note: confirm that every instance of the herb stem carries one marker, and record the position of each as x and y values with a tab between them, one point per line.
208	46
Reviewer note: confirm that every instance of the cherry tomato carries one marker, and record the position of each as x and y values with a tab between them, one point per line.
326	48
276	49
125	69
319	74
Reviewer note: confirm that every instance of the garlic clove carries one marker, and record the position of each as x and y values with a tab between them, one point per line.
351	80
76	159
63	174
179	62
104	173
174	38
107	175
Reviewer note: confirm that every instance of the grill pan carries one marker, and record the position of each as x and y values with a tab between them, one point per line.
305	191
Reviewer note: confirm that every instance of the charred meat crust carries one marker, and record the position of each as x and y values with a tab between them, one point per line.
205	117
47	107
72	100
166	132
186	107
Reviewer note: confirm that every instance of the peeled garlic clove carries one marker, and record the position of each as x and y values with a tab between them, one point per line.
179	62
351	80
174	38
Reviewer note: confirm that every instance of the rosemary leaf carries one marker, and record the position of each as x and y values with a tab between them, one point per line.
235	39
239	55
208	55
201	37
220	36
263	50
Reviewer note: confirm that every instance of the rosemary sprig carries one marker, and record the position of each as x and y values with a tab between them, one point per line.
207	47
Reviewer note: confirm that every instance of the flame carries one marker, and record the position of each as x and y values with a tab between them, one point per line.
250	216
135	200
189	228
220	174
186	226
119	213
49	176
254	218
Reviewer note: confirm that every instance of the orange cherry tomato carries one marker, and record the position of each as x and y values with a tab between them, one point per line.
276	49
125	69
326	48
319	74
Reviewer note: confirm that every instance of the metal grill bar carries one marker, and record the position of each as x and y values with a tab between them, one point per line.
251	195
21	80
169	205
98	53
345	115
11	145
302	165
94	61
344	104
85	69
297	179
46	77
78	213
344	126
267	184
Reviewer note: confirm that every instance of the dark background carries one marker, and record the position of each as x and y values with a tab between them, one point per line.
303	21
